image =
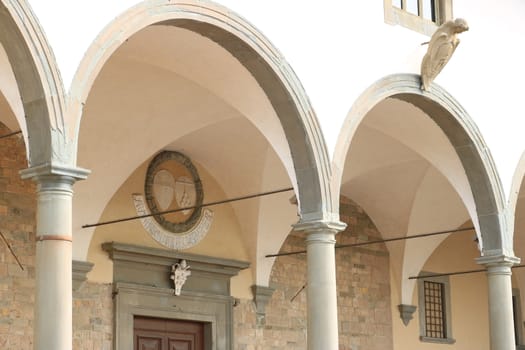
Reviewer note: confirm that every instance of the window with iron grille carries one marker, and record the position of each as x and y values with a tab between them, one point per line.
423	16
434	309
435	321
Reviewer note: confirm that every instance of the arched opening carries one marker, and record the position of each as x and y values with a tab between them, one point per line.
17	196
416	164
463	137
517	212
212	88
39	86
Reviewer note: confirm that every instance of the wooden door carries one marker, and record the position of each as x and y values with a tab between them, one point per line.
162	334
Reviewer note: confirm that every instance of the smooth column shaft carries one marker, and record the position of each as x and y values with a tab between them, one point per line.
53	304
501	316
321	291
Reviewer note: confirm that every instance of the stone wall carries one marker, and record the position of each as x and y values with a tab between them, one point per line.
93	317
285	323
362	276
363	285
92	304
17	224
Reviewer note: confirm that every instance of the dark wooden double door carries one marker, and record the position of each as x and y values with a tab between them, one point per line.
162	334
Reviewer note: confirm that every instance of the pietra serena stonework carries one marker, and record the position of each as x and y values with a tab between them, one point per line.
92	304
362	278
363	294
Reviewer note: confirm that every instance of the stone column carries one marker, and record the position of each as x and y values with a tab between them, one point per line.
321	284
501	319
53	302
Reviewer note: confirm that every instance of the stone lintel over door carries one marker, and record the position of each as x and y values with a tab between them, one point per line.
143	287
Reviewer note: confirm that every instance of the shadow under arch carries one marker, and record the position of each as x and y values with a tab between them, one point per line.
258	56
463	135
39	84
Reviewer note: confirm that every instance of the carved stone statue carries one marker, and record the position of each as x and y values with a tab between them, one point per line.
179	273
441	46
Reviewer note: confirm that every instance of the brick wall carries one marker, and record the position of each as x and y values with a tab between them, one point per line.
93	317
17	223
363	294
362	276
92	304
363	284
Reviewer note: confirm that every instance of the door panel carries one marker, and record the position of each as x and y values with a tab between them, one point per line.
174	344
165	334
147	343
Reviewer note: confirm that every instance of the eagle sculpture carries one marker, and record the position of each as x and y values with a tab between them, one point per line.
441	46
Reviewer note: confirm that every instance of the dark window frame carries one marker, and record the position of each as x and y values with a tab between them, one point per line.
395	15
430	335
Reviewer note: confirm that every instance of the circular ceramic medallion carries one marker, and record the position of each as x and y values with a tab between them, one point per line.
172	183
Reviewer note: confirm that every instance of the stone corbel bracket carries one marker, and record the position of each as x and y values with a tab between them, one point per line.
406	312
261	296
80	271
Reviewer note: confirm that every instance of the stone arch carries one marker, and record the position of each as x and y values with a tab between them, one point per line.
39	84
516	188
464	136
258	56
516	216
488	209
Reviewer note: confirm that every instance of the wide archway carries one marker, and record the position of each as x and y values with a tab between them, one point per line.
199	81
41	117
416	164
292	132
517	212
486	204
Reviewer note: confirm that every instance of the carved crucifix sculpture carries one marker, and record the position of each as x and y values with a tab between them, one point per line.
179	273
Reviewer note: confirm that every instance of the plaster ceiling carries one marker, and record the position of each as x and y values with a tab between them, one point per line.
207	64
168	88
7	116
11	108
405	174
394	149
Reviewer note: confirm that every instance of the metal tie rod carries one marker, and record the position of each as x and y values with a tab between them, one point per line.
189	208
11	250
11	134
456	273
379	241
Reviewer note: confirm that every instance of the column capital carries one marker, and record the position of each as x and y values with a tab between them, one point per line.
315	226
498	260
54	171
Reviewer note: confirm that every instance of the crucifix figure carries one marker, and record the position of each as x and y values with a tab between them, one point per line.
179	273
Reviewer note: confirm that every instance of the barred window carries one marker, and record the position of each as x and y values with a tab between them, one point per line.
434	309
435	321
